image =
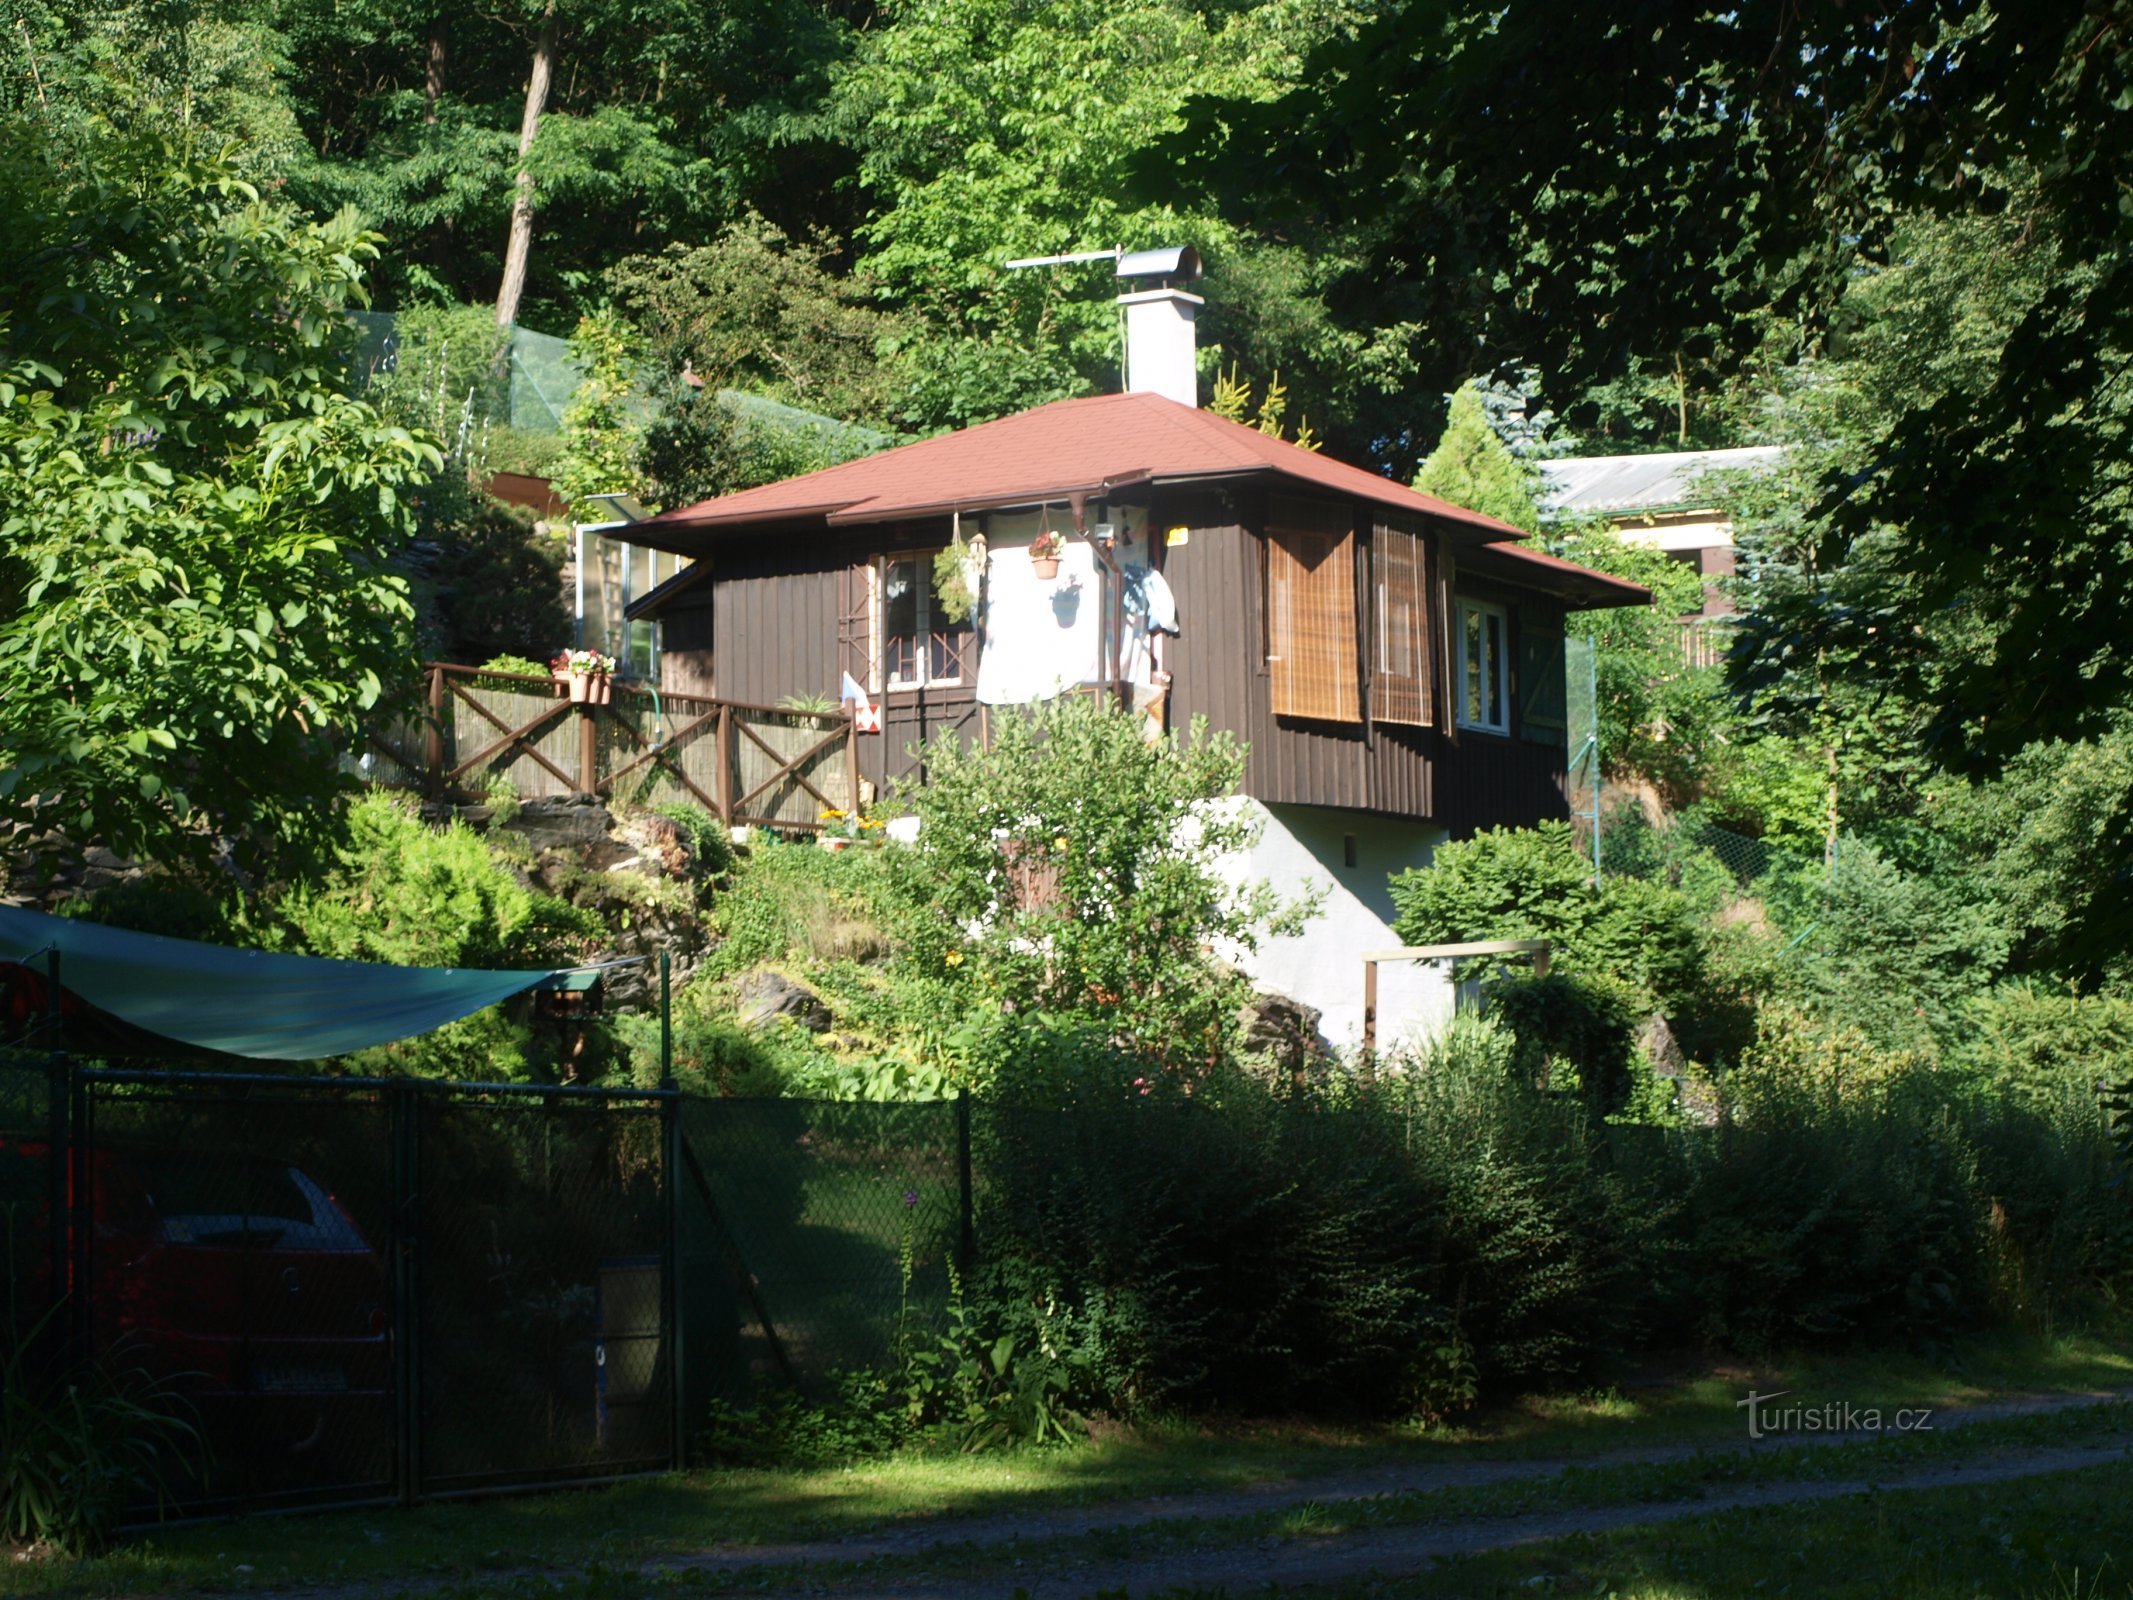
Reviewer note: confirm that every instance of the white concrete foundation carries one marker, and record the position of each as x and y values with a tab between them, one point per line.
1303	848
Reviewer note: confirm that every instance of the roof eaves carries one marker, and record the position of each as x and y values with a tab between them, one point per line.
693	573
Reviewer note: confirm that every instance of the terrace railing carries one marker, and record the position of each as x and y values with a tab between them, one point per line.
761	765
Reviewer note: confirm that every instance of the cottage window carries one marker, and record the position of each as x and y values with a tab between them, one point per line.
1400	631
1312	643
920	648
1484	667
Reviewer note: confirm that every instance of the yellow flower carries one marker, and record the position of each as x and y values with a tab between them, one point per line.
954	958
831	816
1059	843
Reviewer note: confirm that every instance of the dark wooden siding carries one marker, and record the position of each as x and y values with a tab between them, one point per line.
767	625
1218	671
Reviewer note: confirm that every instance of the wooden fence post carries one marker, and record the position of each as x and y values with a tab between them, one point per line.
851	765
724	765
588	749
433	736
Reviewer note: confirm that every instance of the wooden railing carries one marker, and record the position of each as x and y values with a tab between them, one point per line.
1705	640
761	765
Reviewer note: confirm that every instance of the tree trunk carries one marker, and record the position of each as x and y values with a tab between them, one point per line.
433	81
520	244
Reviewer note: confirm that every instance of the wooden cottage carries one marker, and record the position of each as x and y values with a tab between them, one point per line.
1395	663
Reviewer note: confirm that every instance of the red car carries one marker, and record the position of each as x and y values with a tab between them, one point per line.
245	1285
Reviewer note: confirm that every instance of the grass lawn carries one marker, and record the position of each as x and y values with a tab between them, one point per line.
623	1524
2064	1537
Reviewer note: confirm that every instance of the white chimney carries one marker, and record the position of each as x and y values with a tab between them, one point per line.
1159	344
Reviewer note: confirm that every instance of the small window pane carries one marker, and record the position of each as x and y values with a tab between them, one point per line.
1484	686
899	621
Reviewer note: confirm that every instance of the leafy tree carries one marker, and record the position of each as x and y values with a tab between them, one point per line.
1659	717
195	590
1474	147
757	310
602	430
1068	879
1471	467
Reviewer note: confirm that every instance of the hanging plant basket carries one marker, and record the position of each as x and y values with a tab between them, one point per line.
1044	552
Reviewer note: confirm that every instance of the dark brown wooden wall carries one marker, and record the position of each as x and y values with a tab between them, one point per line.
1218	671
767	626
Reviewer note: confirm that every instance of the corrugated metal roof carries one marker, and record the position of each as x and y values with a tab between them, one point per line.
1615	484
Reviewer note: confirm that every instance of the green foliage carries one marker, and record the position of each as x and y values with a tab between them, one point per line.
1129	834
1533	883
80	1446
602	435
1897	952
496	586
1572	1033
411	894
759	311
1232	399
1658	716
2044	1046
195	595
1470	467
795	903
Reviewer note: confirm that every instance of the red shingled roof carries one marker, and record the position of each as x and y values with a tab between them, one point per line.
1091	446
1107	441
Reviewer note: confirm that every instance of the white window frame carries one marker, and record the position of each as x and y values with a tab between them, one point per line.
1464	608
892	683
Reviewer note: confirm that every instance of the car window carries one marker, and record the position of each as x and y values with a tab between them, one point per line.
229	1203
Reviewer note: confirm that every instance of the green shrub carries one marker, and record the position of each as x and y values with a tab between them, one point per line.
1127	839
1532	883
2042	1044
710	846
1572	1033
496	587
79	1447
795	903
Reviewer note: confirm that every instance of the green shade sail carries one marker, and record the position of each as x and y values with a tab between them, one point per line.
252	1003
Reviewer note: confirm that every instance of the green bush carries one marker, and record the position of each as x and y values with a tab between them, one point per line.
1127	838
81	1446
1533	883
1572	1033
496	586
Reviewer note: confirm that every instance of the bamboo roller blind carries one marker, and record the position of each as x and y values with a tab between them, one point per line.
1311	624
1400	655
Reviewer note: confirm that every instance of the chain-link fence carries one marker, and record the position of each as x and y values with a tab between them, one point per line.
355	1290
818	1236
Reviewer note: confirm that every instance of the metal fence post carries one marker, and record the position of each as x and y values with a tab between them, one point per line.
59	1159
81	1214
675	1333
406	1284
967	1246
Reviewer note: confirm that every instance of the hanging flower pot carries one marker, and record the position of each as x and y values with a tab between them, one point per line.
1044	555
603	690
580	688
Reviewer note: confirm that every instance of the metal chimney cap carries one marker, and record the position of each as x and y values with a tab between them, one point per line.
1172	261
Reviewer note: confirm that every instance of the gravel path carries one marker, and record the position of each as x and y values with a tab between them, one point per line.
1308	1559
1416	1478
1395	1552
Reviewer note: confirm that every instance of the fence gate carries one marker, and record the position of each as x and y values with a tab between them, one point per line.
363	1289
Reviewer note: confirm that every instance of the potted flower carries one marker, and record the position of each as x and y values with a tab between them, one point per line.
1044	554
846	830
591	681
